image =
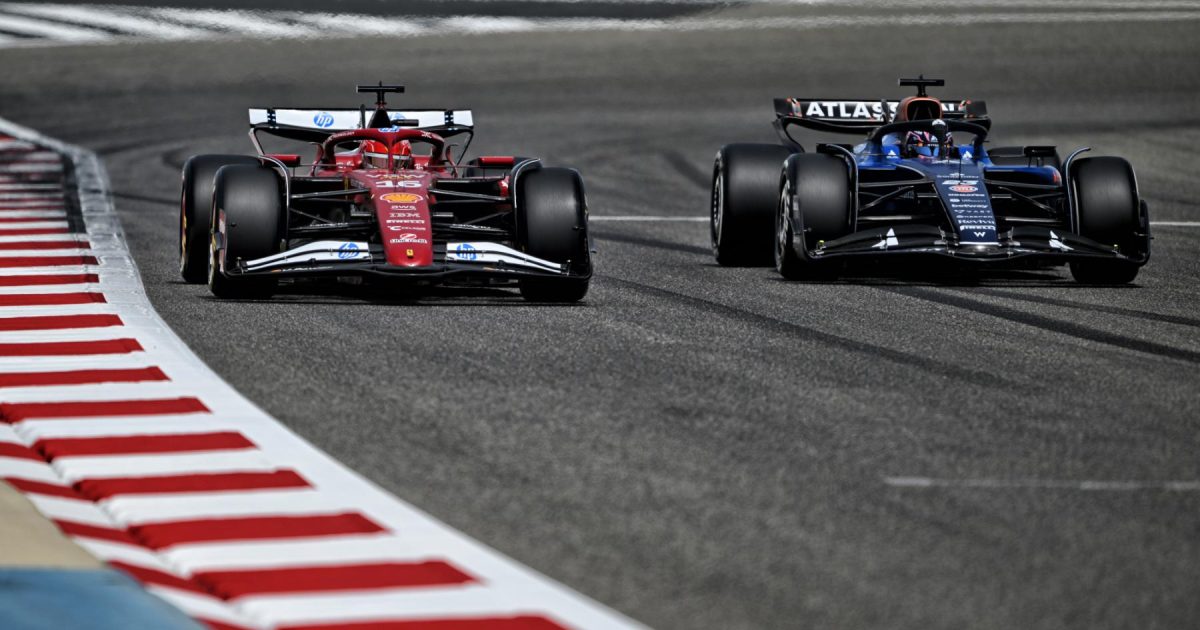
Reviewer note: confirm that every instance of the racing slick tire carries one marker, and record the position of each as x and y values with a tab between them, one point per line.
745	198
551	222
1110	212
251	199
814	206
195	212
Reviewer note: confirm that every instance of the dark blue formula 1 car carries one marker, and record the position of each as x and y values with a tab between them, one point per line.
923	184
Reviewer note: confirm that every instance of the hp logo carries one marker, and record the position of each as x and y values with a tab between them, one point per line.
466	252
323	120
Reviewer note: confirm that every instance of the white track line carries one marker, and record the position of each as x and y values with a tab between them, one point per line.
1048	484
111	18
643	218
903	4
174	24
243	22
670	219
363	24
50	30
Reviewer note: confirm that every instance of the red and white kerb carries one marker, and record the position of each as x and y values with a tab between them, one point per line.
144	457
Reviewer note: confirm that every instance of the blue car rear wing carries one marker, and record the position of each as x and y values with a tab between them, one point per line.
858	116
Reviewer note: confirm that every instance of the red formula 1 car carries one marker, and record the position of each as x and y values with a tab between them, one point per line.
385	197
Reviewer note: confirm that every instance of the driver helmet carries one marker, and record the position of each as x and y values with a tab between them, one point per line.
375	153
921	143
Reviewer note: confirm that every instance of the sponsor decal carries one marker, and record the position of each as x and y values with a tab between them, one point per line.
406	221
404	215
404	241
980	234
466	251
402	198
952	182
864	110
962	188
401	228
398	184
347	250
323	120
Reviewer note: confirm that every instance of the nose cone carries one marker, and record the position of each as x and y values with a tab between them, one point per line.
401	203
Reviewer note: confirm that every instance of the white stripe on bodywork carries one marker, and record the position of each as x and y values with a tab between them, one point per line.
492	253
317	252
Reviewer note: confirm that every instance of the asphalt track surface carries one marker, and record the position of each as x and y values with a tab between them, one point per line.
705	447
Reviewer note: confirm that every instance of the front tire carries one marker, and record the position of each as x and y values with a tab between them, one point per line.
1110	212
814	206
195	212
745	196
551	221
248	215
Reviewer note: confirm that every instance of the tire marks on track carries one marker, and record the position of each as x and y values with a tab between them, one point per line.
1049	324
682	165
1098	308
805	333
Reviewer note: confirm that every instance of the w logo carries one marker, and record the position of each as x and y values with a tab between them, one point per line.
980	234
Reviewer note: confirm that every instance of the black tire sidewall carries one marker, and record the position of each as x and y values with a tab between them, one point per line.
820	187
251	198
814	205
745	198
195	211
1106	199
551	222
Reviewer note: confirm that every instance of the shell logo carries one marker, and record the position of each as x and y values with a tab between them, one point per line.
401	198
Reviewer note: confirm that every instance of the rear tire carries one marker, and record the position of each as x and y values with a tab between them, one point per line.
745	198
551	222
195	212
1110	212
251	200
814	206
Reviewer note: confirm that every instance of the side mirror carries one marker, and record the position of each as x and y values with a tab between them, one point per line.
290	160
1034	151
